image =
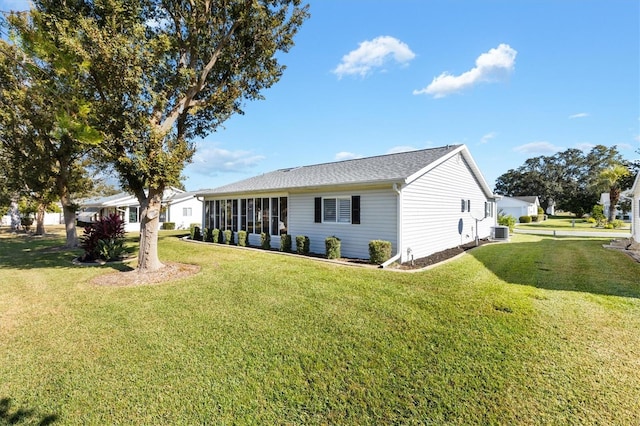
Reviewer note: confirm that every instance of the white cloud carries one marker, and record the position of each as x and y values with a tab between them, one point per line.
579	115
486	138
538	148
373	54
491	66
344	155
585	146
213	161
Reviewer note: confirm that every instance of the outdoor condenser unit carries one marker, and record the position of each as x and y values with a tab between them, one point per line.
500	233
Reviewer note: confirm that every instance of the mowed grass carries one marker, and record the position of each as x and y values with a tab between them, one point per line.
536	331
568	223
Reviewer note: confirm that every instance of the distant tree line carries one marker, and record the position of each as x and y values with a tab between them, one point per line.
572	180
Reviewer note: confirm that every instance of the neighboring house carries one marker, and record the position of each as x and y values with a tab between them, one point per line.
606	202
179	207
421	201
635	209
519	206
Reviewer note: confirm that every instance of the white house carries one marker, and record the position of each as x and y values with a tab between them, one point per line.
519	206
606	202
421	201
179	207
635	209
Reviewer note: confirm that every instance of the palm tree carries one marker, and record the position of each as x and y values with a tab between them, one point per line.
609	179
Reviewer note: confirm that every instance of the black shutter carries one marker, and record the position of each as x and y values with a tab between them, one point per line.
355	210
318	210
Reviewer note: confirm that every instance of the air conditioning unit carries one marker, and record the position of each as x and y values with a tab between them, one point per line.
500	233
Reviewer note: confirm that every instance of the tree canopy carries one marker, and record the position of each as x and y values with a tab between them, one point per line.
157	73
569	179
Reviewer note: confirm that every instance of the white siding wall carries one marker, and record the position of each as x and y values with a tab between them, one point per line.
432	210
176	213
378	211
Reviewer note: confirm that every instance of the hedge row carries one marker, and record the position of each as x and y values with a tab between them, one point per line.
379	250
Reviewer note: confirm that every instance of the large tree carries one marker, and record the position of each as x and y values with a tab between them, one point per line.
44	129
567	178
160	72
609	180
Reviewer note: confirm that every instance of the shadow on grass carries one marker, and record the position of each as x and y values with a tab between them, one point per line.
9	416
568	264
23	253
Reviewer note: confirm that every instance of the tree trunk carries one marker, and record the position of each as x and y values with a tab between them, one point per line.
149	223
15	214
40	219
68	209
614	197
69	214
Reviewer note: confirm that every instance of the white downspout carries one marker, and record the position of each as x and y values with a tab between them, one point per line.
398	255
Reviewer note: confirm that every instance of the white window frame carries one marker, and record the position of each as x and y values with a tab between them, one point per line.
342	204
187	211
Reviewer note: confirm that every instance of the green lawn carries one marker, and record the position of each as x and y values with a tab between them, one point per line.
536	331
567	223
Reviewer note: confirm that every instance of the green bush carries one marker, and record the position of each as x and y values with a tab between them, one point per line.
524	219
303	244
192	231
379	251
103	239
285	243
535	218
597	212
169	225
507	220
111	248
540	211
591	220
242	238
332	246
265	240
616	223
26	222
197	234
228	236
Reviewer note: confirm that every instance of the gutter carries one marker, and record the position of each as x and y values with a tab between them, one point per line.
399	232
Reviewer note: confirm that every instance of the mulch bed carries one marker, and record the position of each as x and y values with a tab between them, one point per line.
441	256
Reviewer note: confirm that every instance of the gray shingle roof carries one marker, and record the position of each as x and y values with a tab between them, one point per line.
378	169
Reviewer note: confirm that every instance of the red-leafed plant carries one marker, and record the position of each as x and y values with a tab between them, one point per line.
103	239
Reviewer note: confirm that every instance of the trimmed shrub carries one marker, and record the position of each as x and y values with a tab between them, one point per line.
303	244
616	223
507	220
215	235
540	211
285	243
591	220
242	238
379	251
169	226
192	230
103	239
197	233
228	236
524	219
332	246
26	222
265	240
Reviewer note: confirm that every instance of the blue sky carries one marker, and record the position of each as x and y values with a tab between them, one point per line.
510	79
